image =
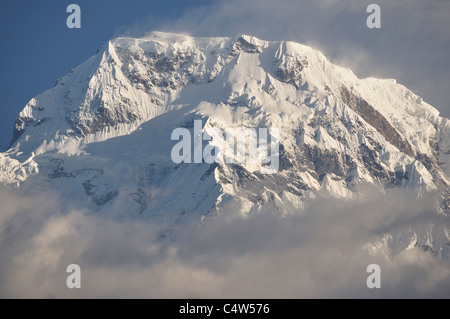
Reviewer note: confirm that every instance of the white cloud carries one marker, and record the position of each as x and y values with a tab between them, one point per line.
319	254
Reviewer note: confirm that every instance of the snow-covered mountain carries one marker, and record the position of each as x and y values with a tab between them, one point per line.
102	134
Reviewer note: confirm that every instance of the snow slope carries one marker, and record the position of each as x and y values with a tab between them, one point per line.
103	132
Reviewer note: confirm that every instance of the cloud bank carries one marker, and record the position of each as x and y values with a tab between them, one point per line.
320	253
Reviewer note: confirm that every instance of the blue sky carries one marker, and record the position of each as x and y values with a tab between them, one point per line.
412	46
37	47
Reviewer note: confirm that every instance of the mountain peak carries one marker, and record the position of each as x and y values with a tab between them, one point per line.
121	105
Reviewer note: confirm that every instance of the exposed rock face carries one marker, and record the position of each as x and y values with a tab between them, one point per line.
374	118
379	122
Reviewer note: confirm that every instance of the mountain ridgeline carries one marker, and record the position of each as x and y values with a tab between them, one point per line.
102	134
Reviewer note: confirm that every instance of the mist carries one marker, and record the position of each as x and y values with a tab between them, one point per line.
322	252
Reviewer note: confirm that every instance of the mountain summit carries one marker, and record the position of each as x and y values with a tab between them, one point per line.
103	133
